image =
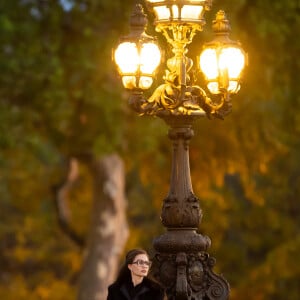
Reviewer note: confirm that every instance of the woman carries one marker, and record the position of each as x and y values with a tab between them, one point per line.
132	282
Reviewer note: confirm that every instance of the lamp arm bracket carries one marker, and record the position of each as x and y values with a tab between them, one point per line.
171	99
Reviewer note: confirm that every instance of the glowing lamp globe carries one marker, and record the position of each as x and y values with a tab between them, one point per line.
188	11
222	60
137	63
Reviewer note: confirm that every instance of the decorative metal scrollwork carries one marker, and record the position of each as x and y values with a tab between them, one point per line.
189	276
172	99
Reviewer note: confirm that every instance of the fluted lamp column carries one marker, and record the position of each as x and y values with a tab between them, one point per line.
181	262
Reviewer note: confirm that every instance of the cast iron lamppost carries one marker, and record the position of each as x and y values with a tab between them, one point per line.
183	265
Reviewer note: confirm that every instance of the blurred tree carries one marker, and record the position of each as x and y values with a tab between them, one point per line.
108	230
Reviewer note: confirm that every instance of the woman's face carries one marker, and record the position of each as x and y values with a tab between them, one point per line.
140	265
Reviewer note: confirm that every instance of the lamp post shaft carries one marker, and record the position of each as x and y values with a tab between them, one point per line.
181	262
181	208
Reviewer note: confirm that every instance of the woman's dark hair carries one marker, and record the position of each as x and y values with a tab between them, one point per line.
124	274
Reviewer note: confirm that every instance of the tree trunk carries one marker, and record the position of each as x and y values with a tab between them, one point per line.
109	230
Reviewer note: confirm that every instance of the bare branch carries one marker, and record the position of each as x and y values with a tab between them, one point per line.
61	192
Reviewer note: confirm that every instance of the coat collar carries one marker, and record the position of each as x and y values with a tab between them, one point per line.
125	292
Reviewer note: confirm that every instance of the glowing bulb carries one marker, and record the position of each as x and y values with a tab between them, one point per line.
127	58
149	58
145	82
209	63
233	60
191	12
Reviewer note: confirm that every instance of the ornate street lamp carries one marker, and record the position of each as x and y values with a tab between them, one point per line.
182	263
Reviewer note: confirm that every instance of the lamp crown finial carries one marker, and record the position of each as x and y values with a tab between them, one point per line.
221	25
138	19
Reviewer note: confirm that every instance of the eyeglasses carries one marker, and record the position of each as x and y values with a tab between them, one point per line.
140	262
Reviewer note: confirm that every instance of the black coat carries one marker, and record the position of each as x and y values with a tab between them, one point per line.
147	290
